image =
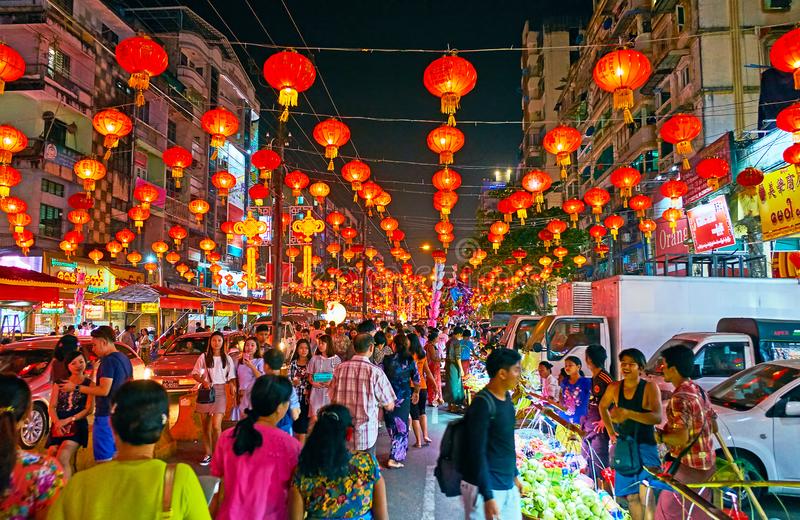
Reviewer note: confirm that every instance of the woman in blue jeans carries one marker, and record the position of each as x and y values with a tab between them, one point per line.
632	408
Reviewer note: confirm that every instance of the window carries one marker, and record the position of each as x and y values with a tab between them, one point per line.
144	113
50	221
683	77
108	35
172	131
184	60
58	63
720	359
663	95
776	5
524	331
748	388
56	132
53	188
213	94
680	17
566	334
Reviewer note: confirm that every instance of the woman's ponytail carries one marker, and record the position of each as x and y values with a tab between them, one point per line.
267	394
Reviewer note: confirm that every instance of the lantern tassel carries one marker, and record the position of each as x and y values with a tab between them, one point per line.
563	173
284	115
626	113
214	155
139	98
685	163
797	79
451	120
107	155
3	86
330	165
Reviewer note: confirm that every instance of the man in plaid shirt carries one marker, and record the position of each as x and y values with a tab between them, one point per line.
689	430
363	388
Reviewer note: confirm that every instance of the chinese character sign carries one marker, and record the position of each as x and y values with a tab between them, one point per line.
779	204
710	225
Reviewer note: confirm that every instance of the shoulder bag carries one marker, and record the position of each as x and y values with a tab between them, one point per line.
627	460
206	395
169	485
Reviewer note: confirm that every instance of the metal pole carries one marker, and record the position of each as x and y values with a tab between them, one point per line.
364	270
277	239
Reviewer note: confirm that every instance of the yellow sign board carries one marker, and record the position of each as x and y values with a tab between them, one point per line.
117	306
224	313
150	308
93	312
779	203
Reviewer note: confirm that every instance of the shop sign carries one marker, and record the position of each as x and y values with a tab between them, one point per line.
786	264
96	277
779	203
53	308
150	308
224	313
710	225
93	312
117	306
698	188
669	242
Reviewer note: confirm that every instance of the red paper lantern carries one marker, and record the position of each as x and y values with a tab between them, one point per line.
146	194
319	190
601	249
679	130
289	73
446	179
143	59
672	215
449	78
177	159
112	124
382	200
519	255
445	201
220	123
498	228
335	219
597	198
397	237
788	120
18	221
12	65
621	72
68	247
712	169
13	205
297	181
355	172
125	236
791	155
9	177
560	252
562	141
573	208
349	233
79	217
134	258
389	224
114	248
159	247
673	190
521	201
445	140
504	207
614	223
647	227
89	171
443	228
265	161
76	237
258	192
11	141
785	55
369	192
80	201
495	240
537	182
749	178
546	236
579	260
138	214
640	204
198	208
178	233
224	181
556	227
597	232
625	179
227	228
207	245
334	249
332	134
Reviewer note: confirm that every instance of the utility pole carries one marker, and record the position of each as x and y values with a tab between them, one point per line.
277	238
364	261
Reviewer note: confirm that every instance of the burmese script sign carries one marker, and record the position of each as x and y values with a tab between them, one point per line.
779	203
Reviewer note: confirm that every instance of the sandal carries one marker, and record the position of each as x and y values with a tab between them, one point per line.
394	464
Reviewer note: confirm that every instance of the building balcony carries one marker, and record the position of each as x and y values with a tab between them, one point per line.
642	139
40	77
535	64
22	12
191	78
663	65
150	135
535	87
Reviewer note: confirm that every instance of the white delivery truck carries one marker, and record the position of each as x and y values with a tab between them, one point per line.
645	312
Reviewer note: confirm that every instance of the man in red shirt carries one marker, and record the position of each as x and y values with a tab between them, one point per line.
688	433
363	388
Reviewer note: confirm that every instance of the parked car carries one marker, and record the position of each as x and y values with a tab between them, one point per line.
758	413
32	361
173	368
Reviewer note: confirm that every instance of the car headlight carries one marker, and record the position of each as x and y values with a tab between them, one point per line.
148	373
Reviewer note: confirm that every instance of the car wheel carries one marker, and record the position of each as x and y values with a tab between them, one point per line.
35	427
753	470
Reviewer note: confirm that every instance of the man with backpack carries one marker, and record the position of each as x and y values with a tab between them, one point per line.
488	461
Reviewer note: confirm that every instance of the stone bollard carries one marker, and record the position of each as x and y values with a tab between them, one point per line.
188	426
166	445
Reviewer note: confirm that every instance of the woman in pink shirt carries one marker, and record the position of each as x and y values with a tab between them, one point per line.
255	454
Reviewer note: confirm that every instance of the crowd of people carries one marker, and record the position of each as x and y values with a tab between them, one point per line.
306	427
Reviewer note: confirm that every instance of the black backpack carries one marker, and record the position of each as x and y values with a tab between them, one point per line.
448	465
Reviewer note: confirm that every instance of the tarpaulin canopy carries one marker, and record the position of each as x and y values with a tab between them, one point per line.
17	284
165	297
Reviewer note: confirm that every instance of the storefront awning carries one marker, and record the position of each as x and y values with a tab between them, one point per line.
17	284
165	297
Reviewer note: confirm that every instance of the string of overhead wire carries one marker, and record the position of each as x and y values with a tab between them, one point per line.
510	48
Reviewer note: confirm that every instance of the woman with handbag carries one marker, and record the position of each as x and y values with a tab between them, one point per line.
68	412
214	370
630	409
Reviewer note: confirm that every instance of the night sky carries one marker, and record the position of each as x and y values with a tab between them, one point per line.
377	84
